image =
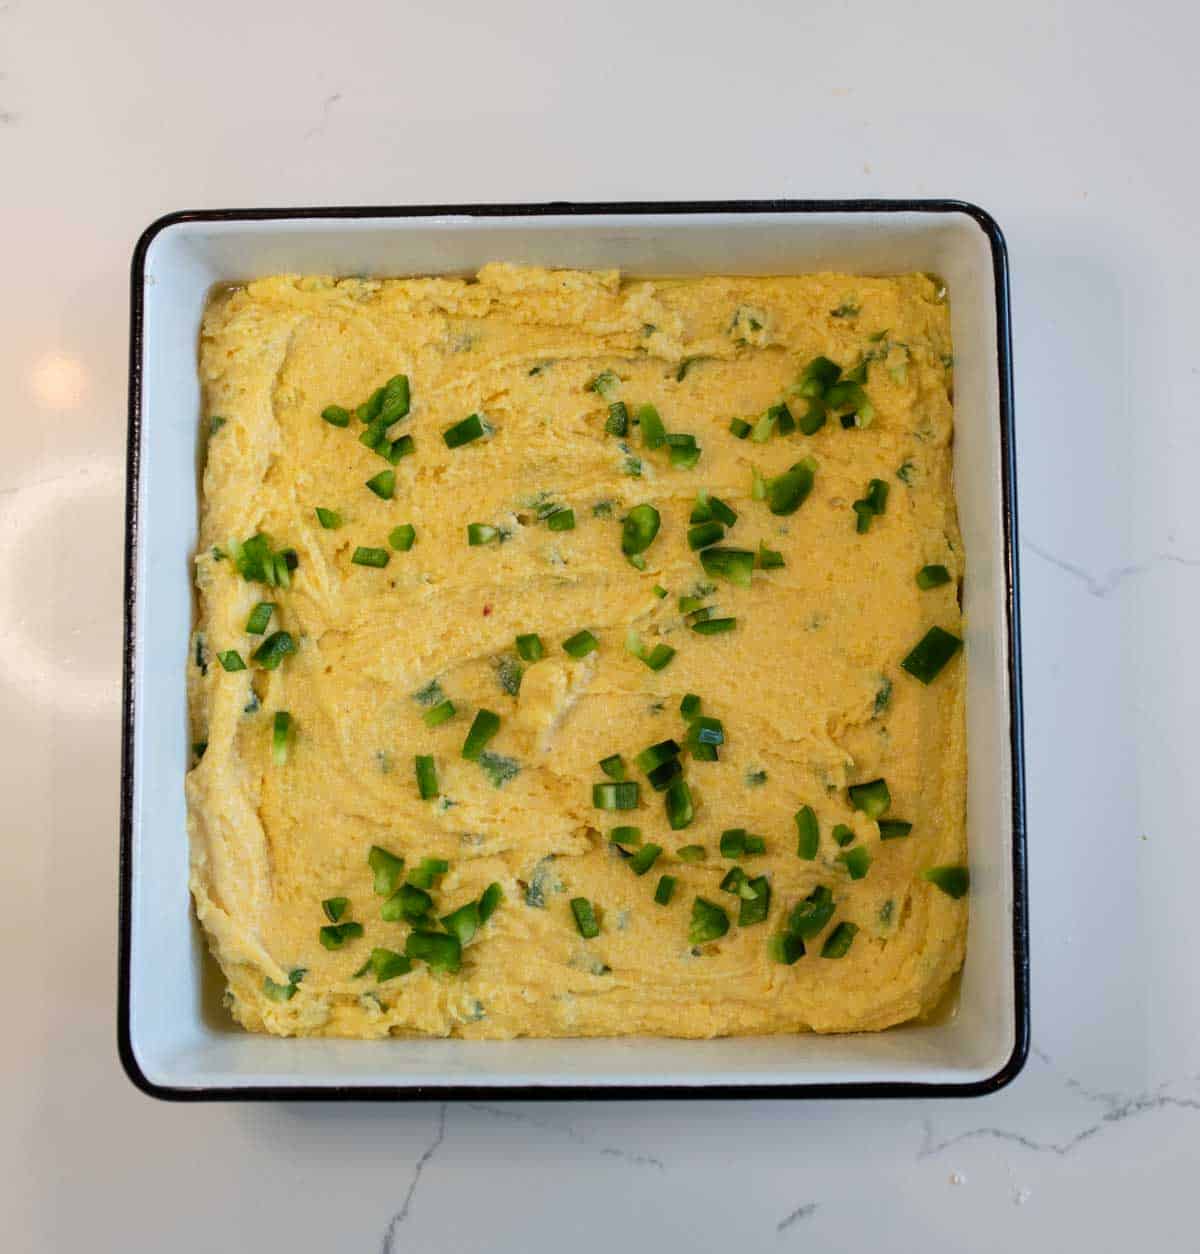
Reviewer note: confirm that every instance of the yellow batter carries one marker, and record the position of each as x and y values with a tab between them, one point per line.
807	686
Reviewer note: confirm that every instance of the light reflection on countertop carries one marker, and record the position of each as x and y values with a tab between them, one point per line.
60	579
58	381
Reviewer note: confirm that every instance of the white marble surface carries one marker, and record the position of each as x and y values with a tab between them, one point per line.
1075	124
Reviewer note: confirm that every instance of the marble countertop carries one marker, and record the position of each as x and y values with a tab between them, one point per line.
1070	122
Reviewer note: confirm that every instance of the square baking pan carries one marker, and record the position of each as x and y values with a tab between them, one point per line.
175	1040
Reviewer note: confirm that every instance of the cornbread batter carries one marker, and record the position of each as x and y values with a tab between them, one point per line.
317	734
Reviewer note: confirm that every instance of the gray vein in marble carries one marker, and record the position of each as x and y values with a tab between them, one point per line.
74	473
607	1151
801	1212
1119	1108
326	109
389	1233
1104	587
9	119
